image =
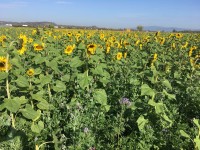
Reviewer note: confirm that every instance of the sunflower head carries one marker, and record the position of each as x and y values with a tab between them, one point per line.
69	34
30	72
89	35
38	47
69	49
162	41
119	55
101	36
179	35
125	54
23	38
34	32
3	62
91	49
195	62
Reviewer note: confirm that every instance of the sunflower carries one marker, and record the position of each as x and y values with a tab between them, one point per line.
23	39
34	32
173	45
30	72
3	61
178	35
157	33
195	62
155	57
30	40
119	55
140	46
2	38
185	45
117	44
38	47
69	49
125	54
69	34
22	50
191	50
162	41
102	36
137	42
107	49
89	35
91	49
126	43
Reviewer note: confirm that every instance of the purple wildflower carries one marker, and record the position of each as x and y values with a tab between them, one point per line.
125	101
86	130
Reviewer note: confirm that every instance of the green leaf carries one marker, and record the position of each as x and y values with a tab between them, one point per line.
141	121
75	62
197	142
98	71
2	106
12	105
16	62
184	134
167	84
37	71
38	97
83	80
146	90
170	96
44	105
81	46
37	128
100	96
22	81
38	59
59	87
159	108
53	65
30	113
196	122
65	78
134	81
45	79
106	107
177	75
167	119
3	75
21	100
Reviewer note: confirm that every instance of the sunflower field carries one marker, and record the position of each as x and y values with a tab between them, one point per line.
99	90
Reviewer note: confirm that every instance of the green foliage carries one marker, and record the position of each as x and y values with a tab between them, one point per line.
114	90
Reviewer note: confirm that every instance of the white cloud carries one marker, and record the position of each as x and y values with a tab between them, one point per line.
15	4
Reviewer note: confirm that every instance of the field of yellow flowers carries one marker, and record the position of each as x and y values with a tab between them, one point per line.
95	89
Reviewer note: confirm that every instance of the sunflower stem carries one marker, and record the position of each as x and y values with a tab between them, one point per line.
49	91
8	92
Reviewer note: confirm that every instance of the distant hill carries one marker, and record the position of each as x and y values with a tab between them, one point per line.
52	24
31	24
166	29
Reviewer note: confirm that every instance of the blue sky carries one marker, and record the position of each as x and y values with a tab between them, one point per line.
105	13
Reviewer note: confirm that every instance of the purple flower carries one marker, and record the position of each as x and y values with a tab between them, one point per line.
86	130
125	101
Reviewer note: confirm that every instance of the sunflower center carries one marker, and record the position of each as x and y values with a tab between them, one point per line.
2	64
91	46
39	47
69	49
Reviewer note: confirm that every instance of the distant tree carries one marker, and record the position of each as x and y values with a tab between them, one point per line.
51	26
174	30
139	28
